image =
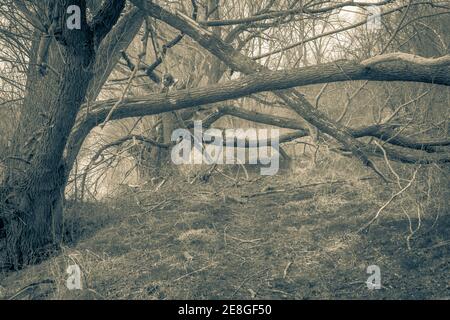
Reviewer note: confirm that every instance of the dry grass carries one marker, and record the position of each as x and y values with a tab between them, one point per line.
221	240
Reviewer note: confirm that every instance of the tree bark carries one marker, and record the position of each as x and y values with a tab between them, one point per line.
107	56
436	69
31	194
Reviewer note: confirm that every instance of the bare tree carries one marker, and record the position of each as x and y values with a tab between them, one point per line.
66	69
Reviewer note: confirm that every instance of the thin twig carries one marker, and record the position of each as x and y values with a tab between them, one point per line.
389	201
194	272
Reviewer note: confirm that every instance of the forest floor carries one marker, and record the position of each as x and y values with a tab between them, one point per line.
279	237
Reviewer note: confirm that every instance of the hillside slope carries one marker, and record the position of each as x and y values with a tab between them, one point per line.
268	238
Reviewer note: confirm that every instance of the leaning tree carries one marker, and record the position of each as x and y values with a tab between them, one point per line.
65	70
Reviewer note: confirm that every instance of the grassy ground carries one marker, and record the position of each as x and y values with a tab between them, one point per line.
284	237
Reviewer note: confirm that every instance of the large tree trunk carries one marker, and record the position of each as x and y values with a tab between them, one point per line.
34	203
32	190
108	54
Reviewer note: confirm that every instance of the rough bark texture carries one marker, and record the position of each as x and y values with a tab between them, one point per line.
32	192
258	82
417	71
108	54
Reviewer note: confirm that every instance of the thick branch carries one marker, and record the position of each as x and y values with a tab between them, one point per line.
272	81
108	54
264	81
296	101
443	61
399	70
382	132
106	18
